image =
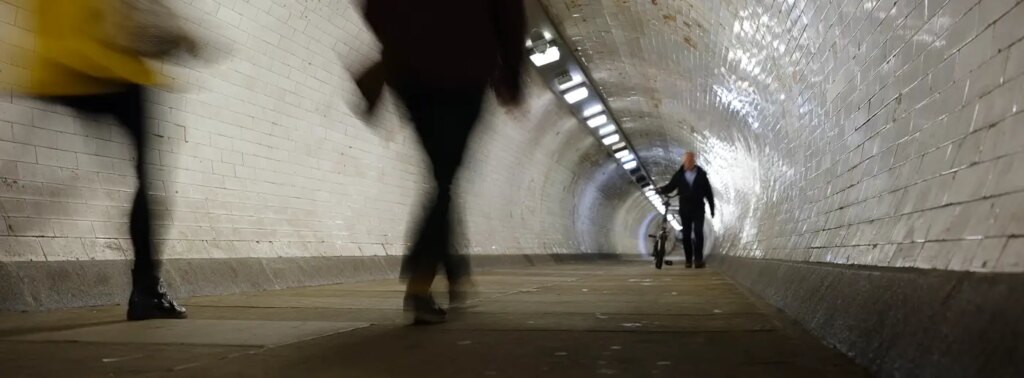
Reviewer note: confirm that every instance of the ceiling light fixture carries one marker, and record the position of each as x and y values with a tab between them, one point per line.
577	95
597	121
592	110
611	139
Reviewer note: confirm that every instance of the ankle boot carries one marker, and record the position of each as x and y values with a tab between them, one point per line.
425	310
149	300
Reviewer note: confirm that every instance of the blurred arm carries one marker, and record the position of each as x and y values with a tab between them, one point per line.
711	195
672	185
511	23
371	85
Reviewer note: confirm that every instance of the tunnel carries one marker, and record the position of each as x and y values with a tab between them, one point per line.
867	160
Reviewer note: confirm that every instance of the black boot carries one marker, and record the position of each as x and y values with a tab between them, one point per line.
425	310
149	300
699	265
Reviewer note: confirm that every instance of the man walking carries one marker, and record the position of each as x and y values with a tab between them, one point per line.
692	183
442	86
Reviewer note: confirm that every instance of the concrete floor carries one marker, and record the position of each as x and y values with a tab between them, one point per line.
621	319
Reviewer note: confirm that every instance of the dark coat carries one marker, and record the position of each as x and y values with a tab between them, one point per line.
691	198
451	43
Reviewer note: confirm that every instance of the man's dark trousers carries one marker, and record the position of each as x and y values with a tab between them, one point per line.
693	246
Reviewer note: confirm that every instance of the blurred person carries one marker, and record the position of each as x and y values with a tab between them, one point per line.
442	85
694	188
90	56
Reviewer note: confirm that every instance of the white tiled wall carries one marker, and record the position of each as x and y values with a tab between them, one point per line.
922	155
257	155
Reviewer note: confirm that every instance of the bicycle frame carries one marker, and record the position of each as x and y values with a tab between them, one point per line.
661	239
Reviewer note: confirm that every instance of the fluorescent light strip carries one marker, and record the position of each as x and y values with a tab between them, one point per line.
611	139
577	95
551	55
593	110
597	121
606	130
629	165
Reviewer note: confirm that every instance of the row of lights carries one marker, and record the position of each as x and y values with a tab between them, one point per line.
575	90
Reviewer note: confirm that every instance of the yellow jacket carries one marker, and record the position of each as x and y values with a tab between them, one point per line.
70	56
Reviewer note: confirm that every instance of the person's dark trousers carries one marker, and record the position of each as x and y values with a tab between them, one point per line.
444	119
693	246
127	107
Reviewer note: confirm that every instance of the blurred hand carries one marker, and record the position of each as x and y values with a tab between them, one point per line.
190	46
509	90
371	85
509	98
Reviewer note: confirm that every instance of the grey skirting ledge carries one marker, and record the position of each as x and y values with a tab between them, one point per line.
30	286
899	322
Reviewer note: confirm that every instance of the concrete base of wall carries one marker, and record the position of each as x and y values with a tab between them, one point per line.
30	285
899	322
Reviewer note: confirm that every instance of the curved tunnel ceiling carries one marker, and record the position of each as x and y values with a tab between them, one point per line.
692	75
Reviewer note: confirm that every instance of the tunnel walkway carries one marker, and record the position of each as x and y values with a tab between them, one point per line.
582	320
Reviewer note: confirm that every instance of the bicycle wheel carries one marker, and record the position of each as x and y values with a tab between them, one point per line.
659	254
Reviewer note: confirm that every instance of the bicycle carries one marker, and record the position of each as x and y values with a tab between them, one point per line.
661	239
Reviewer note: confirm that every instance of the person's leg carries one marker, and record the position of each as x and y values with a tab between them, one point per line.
687	240
419	265
445	136
129	112
443	121
148	299
698	241
464	110
422	261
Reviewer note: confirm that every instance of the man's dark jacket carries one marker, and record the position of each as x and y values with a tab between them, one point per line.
450	43
691	198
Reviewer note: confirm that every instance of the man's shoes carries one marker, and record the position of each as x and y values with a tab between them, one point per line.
149	300
425	310
699	265
689	264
